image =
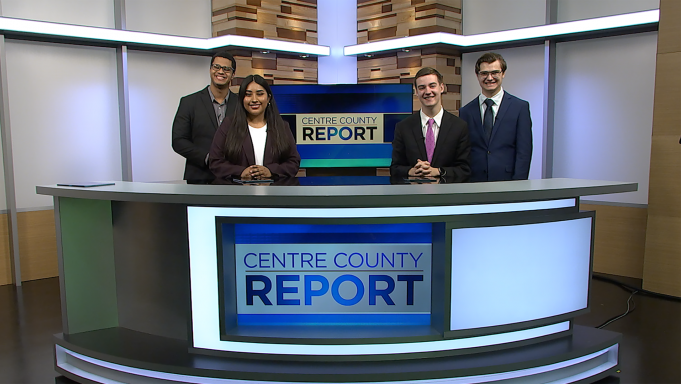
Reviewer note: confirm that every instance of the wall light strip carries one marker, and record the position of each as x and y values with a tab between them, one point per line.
70	362
145	38
542	31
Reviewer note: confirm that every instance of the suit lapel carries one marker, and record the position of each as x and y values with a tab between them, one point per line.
208	104
267	156
417	131
445	128
477	120
249	152
503	108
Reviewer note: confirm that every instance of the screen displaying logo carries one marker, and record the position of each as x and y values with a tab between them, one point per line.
347	128
344	125
333	274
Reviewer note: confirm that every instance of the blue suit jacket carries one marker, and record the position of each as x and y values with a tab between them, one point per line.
507	155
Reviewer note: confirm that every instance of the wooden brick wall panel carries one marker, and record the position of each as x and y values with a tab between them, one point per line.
379	81
5	260
619	241
267	18
270	5
291	82
377	62
382	34
297	63
377	24
296	24
294	72
307	12
368	11
37	245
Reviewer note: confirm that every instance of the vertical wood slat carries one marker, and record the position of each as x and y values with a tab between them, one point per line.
662	263
619	243
5	262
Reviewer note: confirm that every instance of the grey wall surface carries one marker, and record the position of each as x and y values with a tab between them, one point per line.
569	10
157	82
64	116
604	111
170	17
94	13
481	16
63	99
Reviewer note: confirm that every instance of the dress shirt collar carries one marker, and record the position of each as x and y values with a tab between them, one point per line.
496	98
437	118
212	98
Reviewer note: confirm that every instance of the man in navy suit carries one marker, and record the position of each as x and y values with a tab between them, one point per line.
500	126
199	116
431	143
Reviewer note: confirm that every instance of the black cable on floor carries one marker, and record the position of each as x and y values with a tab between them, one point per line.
631	305
630	288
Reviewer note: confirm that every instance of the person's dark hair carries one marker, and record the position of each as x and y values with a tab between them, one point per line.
226	55
425	71
276	126
489	58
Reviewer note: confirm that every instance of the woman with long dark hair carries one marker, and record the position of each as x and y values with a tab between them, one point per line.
256	143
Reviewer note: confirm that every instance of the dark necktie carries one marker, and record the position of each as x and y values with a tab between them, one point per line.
488	120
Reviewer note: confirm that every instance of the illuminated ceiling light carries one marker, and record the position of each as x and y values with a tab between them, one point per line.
542	31
145	38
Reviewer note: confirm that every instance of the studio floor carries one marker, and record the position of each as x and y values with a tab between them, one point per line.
650	350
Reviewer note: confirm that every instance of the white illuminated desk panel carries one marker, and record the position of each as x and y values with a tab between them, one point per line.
317	283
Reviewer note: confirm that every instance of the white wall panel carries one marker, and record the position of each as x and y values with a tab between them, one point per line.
480	16
569	10
524	79
604	111
171	17
64	116
157	81
96	13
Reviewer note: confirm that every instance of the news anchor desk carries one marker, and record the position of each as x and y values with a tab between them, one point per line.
319	283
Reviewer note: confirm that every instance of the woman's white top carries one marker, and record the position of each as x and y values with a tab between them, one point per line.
258	137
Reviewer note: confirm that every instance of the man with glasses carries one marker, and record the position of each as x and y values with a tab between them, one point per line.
199	116
500	126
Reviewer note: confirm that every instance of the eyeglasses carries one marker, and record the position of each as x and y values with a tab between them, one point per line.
484	74
218	67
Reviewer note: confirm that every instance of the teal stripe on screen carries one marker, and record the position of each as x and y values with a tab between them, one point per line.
334	163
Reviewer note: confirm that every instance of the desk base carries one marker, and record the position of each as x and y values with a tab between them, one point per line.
122	355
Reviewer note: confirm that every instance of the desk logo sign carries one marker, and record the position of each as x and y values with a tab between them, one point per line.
325	281
343	128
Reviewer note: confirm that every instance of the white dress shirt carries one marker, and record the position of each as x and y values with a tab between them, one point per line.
495	108
436	126
259	138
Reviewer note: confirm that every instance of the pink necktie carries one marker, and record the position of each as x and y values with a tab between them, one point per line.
430	140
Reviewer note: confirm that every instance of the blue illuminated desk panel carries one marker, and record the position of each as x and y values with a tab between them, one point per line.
362	282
